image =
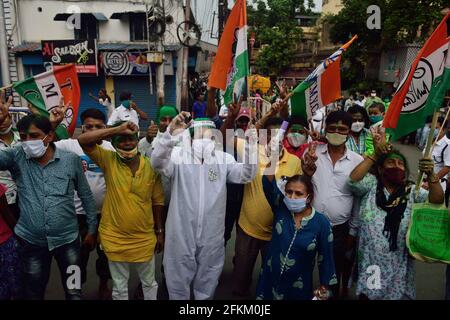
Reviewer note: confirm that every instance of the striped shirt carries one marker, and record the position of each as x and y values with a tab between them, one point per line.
360	147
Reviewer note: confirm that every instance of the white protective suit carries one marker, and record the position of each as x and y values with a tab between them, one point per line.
194	246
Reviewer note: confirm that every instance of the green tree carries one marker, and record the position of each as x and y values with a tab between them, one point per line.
277	31
402	21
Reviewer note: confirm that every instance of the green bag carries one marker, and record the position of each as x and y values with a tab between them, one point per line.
428	236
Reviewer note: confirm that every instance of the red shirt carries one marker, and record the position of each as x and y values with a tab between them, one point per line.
5	231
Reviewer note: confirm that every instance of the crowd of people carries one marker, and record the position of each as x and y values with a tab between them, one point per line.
332	190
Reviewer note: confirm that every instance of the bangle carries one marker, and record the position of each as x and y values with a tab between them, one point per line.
159	231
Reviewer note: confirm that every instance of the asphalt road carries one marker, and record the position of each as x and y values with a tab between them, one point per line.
430	278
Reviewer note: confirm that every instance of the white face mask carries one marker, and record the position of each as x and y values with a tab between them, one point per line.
296	139
7	130
34	148
357	126
336	139
202	147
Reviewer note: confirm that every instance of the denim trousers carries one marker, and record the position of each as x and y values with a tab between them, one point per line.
36	265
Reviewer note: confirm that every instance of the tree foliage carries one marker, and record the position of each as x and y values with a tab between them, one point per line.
276	30
402	21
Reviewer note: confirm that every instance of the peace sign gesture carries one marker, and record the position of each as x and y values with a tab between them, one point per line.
379	140
309	160
4	106
282	88
58	113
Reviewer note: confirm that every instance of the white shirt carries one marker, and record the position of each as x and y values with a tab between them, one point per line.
123	114
108	105
223	111
441	156
332	195
93	173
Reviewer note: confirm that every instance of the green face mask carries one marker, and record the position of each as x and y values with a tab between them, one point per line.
126	104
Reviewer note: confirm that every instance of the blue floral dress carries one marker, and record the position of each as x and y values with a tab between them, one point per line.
383	274
287	272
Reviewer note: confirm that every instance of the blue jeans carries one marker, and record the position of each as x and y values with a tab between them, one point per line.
37	263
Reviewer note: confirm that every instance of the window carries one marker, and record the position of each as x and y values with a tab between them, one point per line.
138	27
89	28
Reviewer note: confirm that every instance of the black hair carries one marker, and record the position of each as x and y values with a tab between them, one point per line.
273	122
297	120
306	180
125	95
92	113
340	115
40	122
378	105
358	109
106	94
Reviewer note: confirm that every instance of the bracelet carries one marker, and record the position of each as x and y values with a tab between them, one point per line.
159	231
371	158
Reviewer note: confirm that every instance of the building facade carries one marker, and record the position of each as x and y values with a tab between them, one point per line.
119	29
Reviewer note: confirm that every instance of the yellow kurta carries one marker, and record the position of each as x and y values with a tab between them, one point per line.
256	216
126	228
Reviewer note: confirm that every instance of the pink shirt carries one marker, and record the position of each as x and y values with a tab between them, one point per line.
5	231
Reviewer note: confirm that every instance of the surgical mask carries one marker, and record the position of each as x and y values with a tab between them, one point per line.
395	176
336	139
7	130
375	119
127	155
357	126
296	139
126	104
295	205
202	147
34	148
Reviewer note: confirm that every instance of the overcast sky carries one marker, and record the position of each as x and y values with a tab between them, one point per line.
206	10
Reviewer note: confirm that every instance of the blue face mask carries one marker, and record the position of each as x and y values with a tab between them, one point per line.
375	119
295	205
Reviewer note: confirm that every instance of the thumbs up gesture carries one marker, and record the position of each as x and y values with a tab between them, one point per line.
152	131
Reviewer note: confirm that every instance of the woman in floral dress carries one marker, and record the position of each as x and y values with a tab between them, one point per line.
299	235
385	269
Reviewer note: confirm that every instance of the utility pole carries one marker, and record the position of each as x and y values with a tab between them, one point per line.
184	81
4	60
160	68
223	14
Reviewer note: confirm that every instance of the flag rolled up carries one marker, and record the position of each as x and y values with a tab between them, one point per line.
321	87
44	92
422	90
231	67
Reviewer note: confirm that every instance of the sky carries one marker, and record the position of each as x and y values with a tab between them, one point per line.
204	12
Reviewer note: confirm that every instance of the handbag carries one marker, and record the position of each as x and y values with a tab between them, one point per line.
428	236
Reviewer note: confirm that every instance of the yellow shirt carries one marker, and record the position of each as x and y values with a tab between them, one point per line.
256	216
126	228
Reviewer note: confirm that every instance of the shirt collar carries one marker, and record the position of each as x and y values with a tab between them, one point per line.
346	154
16	137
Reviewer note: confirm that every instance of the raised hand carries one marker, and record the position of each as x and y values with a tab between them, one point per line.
128	128
379	140
426	165
58	113
178	123
282	88
152	131
4	106
309	160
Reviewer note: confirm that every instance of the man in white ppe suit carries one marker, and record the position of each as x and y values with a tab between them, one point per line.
194	247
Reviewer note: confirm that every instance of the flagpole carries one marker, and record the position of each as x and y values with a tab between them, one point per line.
427	148
6	87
